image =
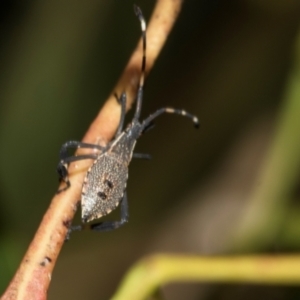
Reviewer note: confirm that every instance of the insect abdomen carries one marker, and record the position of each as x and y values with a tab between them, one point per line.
103	187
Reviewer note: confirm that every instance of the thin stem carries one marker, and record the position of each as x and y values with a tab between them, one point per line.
145	277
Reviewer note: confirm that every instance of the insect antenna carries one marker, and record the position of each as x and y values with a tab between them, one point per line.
139	98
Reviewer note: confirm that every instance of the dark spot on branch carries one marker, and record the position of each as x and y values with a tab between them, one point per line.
66	223
46	261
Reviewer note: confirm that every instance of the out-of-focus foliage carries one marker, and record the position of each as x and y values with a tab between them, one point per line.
229	62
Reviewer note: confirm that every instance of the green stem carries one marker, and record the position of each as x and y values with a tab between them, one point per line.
150	273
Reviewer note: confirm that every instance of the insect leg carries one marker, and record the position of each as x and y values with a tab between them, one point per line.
169	110
148	127
122	101
62	168
111	225
105	226
75	144
141	155
66	159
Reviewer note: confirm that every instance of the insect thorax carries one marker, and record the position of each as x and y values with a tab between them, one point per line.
122	148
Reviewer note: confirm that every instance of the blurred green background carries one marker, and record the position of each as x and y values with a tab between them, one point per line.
231	187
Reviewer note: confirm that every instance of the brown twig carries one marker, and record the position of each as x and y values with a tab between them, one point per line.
32	279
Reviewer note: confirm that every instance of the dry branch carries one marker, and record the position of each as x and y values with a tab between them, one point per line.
33	277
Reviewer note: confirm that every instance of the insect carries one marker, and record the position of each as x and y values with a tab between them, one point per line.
104	186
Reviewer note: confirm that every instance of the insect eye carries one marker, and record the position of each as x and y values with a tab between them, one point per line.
108	183
102	195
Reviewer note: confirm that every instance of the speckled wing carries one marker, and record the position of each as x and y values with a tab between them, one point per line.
103	187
